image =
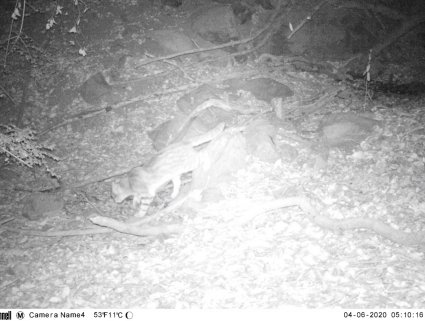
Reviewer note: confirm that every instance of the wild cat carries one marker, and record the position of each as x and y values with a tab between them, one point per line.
168	165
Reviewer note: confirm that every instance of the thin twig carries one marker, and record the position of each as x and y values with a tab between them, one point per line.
91	204
14	156
174	64
7	95
18	35
6	220
22	23
8	44
308	18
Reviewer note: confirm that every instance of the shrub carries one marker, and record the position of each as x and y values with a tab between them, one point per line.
20	146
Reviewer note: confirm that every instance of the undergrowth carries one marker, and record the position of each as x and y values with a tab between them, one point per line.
20	146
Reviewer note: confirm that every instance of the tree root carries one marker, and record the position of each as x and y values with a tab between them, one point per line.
303	203
137	228
349	223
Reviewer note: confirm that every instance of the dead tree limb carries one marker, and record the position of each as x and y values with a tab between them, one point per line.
133	229
217	47
336	225
89	231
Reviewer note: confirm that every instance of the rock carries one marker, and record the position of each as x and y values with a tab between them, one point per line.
212	115
221	158
262	88
165	42
205	120
242	12
95	89
39	205
287	152
264	148
172	3
188	102
215	23
259	139
346	130
212	195
166	132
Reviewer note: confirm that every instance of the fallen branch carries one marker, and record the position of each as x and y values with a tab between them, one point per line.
110	226
143	98
90	231
217	47
6	220
340	224
133	229
303	203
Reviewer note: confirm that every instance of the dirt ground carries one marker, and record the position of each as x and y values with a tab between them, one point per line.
94	95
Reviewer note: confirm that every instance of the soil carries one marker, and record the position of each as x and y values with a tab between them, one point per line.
93	99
